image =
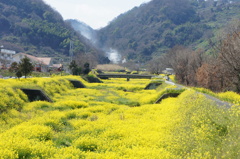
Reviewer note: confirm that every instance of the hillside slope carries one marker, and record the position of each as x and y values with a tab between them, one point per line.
83	29
151	29
33	27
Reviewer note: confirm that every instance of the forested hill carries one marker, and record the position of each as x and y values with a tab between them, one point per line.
154	27
83	29
33	27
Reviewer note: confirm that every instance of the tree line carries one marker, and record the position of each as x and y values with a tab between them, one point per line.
25	67
218	70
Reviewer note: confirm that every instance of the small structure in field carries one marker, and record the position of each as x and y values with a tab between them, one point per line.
153	85
77	84
36	95
169	71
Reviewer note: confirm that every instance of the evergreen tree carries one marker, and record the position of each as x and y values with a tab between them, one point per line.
25	66
86	68
14	67
74	68
18	74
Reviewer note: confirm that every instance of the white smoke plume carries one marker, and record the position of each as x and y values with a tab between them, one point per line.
114	56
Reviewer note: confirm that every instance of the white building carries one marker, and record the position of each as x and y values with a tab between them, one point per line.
6	57
168	71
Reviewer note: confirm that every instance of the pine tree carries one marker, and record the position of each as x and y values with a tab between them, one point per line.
25	66
74	68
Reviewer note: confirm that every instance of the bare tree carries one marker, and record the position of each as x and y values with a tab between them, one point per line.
185	63
222	70
90	58
229	55
178	59
156	65
212	75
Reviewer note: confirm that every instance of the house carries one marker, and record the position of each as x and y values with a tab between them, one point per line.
6	57
169	71
57	67
41	64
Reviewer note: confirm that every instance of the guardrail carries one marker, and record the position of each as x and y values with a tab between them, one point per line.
128	76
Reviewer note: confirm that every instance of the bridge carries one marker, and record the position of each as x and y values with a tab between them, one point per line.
128	76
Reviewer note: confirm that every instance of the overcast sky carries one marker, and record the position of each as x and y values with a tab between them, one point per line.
96	13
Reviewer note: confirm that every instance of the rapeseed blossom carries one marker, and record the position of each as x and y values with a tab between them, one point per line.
114	119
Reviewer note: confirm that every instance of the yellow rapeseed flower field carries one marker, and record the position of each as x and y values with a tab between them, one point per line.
114	119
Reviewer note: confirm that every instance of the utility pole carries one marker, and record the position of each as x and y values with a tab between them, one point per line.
71	51
2	61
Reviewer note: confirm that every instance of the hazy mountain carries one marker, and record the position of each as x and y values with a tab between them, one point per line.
83	29
33	27
151	29
91	34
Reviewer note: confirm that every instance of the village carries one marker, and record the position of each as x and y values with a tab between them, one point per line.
41	64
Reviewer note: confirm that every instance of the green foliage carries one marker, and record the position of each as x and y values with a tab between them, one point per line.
86	68
151	29
76	70
180	12
25	67
13	67
31	26
19	74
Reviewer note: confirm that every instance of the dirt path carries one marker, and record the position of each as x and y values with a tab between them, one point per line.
214	99
218	101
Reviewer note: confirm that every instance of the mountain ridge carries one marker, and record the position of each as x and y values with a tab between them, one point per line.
35	28
151	29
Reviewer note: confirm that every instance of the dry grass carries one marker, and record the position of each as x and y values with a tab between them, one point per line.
109	67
